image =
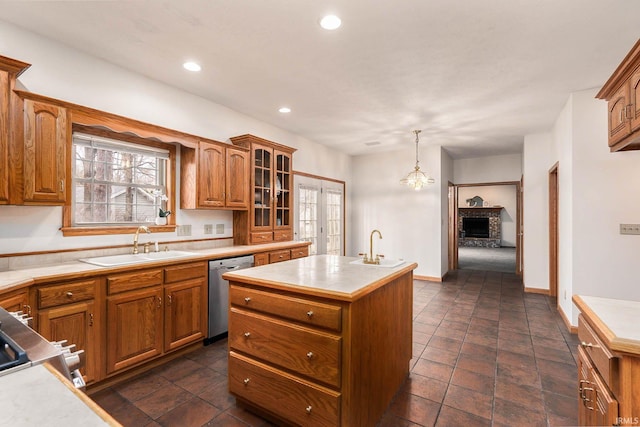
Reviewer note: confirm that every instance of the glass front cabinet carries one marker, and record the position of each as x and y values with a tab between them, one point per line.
269	218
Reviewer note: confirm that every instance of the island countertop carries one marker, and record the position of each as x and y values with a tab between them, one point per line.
322	275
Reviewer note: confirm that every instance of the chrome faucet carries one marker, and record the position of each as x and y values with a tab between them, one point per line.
135	237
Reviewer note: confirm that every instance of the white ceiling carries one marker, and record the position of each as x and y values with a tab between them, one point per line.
475	75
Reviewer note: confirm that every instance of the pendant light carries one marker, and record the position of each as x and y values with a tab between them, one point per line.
416	179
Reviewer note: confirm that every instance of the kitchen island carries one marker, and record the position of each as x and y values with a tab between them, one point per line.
320	341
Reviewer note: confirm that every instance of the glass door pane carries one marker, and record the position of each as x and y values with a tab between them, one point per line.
262	188
308	216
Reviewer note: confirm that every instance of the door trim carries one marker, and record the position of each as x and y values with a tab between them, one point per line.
553	230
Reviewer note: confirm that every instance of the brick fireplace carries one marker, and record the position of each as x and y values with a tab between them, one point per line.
493	235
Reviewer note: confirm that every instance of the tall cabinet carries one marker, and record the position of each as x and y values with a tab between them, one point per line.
270	215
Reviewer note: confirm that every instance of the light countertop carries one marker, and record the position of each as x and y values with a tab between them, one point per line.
26	399
322	275
17	278
614	319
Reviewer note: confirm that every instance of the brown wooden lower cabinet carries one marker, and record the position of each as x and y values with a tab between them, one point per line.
16	301
280	255
185	310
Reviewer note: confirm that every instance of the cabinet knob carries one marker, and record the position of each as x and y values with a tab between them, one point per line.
90	319
246	381
309	314
310	355
589	345
27	308
308	409
69	294
247	300
247	334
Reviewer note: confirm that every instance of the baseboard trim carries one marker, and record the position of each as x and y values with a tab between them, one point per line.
570	327
428	278
536	291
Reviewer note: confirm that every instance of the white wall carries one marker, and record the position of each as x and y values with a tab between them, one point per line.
501	195
410	221
67	74
488	169
538	159
596	194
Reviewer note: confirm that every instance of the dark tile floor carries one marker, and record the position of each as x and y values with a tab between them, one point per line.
485	353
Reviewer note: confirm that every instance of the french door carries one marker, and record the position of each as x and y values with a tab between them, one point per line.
319	214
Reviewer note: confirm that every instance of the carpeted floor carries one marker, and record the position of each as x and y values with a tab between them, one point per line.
488	259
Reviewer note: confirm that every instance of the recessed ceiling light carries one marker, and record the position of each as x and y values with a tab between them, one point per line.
285	110
330	22
192	66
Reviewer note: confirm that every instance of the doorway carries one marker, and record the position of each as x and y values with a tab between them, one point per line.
503	254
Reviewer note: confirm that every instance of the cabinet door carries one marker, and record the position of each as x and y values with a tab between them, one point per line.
16	301
619	126
211	171
585	412
262	197
45	151
237	178
134	327
185	310
605	406
73	323
283	197
4	137
634	95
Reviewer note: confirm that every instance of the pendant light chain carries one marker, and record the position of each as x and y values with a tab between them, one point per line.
416	179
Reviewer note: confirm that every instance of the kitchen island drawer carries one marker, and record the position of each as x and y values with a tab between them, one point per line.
299	402
310	353
52	296
605	362
302	310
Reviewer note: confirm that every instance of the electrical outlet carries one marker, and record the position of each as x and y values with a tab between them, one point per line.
219	228
208	229
184	230
629	228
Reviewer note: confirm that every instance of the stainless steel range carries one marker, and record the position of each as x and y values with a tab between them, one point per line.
21	347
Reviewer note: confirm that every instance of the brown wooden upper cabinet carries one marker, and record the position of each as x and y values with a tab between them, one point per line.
214	176
10	69
46	136
622	92
270	217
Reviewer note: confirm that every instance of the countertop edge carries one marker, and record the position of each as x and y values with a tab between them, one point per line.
611	340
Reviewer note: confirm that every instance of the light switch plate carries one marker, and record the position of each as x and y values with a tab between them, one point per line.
184	230
219	228
208	229
629	228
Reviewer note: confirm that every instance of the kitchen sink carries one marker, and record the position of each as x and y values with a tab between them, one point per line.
388	263
124	259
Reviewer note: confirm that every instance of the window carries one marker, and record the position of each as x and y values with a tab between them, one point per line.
319	214
118	183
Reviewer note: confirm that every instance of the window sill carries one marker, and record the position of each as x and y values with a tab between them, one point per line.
125	229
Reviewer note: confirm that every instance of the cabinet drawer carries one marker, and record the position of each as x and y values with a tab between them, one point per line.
604	361
278	256
131	281
301	310
302	350
299	252
291	398
264	237
282	235
260	259
182	272
66	293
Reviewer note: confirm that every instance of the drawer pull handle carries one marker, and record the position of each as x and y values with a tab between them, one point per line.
246	381
589	345
310	355
309	314
308	409
69	294
247	300
247	334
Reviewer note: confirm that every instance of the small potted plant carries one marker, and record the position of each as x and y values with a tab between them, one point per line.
161	219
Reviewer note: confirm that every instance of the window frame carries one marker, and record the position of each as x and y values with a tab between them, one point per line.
68	229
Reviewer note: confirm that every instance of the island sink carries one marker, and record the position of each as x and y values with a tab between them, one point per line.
388	263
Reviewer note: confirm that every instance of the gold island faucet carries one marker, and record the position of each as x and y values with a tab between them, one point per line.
371	259
135	237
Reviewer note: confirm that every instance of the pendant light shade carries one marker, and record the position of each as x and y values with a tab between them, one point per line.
417	179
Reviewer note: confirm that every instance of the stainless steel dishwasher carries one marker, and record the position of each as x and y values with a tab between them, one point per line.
219	294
